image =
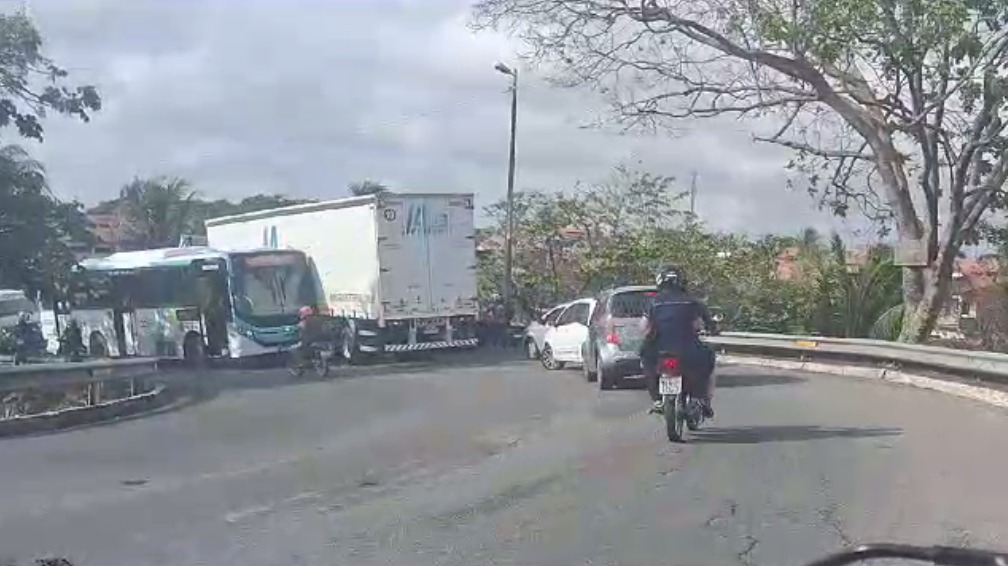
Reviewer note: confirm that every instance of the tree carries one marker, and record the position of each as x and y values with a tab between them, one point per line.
367	187
158	211
34	226
24	68
203	210
892	107
567	244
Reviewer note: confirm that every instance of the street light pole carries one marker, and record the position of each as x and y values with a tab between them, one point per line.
509	230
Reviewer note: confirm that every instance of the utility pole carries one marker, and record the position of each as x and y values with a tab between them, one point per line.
508	291
692	195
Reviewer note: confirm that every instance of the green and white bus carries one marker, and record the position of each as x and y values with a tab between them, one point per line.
192	302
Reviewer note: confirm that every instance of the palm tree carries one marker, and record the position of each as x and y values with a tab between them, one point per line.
158	211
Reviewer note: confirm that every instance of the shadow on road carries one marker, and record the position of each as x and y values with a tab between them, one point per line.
756	379
782	433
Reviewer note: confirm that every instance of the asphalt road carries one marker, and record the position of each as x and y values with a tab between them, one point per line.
506	463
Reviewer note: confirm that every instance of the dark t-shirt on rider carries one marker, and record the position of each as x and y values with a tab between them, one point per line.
313	329
673	315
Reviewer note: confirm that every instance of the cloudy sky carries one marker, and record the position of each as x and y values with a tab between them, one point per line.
305	96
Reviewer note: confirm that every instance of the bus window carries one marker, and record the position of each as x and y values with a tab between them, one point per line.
161	287
92	290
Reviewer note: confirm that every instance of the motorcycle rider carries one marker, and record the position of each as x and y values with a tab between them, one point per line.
671	326
28	339
307	332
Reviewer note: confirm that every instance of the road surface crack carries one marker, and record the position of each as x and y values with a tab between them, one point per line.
829	515
745	557
728	513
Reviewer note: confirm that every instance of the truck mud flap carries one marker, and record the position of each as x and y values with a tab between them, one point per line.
421	346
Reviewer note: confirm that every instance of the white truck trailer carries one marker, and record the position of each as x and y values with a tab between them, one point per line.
400	267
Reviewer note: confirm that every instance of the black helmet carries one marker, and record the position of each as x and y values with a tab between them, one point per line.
671	277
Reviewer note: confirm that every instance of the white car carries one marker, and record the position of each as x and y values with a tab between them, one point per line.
535	334
564	339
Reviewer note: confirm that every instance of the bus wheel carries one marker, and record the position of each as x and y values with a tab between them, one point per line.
192	350
97	347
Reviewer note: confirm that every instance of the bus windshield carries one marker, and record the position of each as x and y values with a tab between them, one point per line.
270	287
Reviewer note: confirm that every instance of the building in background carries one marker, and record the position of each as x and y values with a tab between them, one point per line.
108	228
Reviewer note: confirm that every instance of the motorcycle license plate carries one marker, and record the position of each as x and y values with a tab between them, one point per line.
670	385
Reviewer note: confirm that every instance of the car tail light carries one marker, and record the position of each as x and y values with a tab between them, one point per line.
611	336
670	364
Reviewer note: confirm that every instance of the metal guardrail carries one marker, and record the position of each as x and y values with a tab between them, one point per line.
960	363
29	376
36	397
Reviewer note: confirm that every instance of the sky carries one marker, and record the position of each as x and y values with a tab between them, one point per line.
303	97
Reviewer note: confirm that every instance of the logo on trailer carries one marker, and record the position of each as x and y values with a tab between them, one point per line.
389	214
269	239
417	222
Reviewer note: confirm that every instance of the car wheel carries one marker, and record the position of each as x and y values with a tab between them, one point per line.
531	350
547	359
606	379
590	368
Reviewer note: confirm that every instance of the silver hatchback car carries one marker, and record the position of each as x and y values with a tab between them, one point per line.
611	352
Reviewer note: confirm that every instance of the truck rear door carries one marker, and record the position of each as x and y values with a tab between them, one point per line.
451	255
402	261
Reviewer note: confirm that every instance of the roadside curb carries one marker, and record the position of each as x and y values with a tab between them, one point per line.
159	400
980	393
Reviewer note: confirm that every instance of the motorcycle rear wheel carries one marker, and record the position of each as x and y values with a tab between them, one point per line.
674	417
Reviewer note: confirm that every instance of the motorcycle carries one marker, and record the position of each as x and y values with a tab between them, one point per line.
679	407
319	358
943	555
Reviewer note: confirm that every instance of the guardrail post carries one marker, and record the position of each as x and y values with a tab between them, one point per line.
94	393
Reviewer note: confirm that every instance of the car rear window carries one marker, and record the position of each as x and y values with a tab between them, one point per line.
631	304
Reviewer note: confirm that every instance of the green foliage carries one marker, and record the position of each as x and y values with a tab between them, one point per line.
888	325
621	231
157	211
367	187
893	110
35	226
202	210
24	68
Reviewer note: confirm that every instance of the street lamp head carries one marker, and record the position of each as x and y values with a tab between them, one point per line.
502	68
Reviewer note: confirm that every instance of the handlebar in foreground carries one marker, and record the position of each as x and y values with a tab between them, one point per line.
941	555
